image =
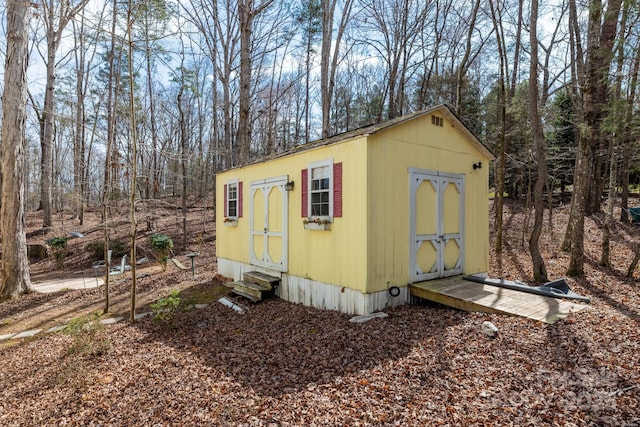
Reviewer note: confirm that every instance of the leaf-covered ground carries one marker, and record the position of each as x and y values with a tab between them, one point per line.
282	364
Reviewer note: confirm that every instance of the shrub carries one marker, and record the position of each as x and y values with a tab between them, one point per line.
165	308
59	246
161	245
89	338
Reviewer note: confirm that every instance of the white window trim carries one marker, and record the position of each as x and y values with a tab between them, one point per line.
310	167
235	182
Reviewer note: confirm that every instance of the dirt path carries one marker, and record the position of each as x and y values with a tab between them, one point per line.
71	300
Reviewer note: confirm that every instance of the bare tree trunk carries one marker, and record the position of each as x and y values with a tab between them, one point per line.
244	126
57	16
183	157
47	118
246	15
133	226
501	139
605	256
620	132
462	67
328	61
599	55
628	139
539	269
577	80
14	265
152	176
79	169
106	185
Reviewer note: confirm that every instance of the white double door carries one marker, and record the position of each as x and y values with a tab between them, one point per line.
437	224
268	223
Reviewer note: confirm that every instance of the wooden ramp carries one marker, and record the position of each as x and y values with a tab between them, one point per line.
470	296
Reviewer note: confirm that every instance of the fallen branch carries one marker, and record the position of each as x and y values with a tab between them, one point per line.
622	390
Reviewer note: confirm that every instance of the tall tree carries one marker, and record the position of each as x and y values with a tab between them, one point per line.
84	52
56	15
601	34
14	265
391	30
310	20
154	15
539	269
113	83
217	23
463	66
629	134
328	59
247	12
133	225
501	120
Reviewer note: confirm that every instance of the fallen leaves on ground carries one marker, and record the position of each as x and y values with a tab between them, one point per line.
282	364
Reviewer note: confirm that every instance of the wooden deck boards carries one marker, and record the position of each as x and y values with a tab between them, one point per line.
471	296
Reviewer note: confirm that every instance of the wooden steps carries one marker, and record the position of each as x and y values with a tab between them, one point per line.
255	285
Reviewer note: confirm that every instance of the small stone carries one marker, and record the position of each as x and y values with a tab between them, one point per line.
489	329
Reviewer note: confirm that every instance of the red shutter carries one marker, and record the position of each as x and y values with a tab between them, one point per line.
305	193
240	199
225	200
337	190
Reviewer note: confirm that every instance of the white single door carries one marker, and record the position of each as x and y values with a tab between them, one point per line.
437	221
268	223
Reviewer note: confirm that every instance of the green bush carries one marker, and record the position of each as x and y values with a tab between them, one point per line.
165	308
89	337
161	245
58	242
59	246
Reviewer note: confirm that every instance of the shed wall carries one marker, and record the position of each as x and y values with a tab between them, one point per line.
420	144
337	256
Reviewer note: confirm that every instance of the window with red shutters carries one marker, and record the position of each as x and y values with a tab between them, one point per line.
322	190
233	199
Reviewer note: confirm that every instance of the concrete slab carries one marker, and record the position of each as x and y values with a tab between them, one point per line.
68	283
367	317
142	315
26	334
111	320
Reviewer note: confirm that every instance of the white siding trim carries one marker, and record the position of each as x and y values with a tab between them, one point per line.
321	295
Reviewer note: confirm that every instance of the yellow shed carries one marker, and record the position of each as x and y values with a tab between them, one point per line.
349	222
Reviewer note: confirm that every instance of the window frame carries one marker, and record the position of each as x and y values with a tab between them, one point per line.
310	167
233	183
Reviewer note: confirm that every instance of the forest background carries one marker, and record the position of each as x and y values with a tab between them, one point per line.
130	103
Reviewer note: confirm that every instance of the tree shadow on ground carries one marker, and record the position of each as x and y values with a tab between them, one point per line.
606	298
277	347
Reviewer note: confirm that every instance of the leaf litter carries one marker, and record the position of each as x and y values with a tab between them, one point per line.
282	364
